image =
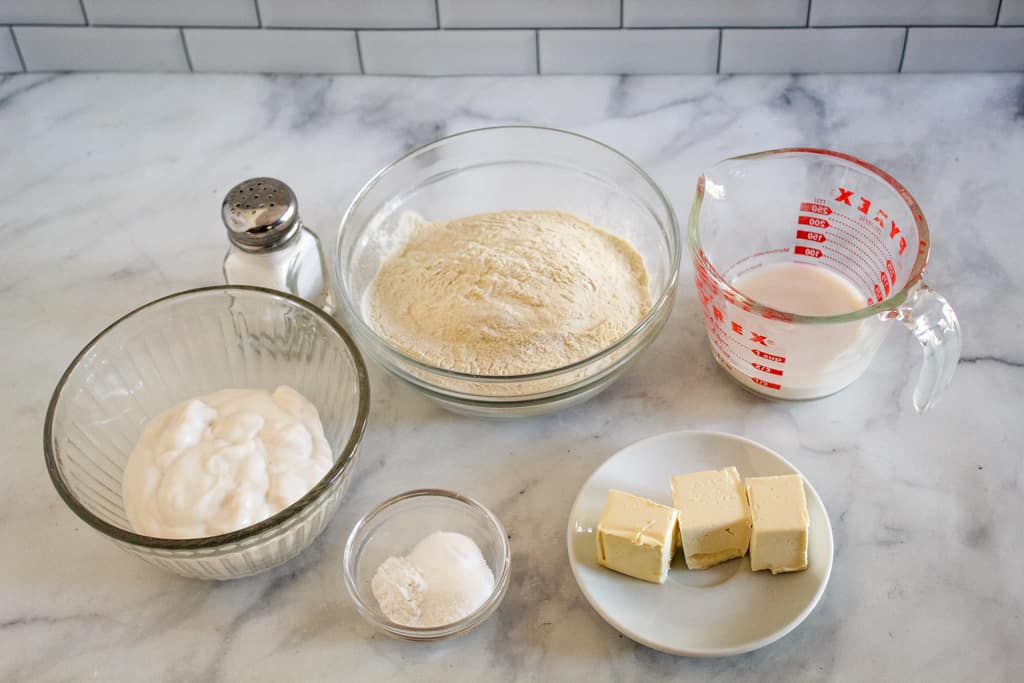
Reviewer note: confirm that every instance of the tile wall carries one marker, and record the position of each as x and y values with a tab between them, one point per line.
441	37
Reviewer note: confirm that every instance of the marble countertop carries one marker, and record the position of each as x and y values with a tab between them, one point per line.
111	191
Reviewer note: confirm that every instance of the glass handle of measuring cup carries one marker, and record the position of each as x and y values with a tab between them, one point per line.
929	316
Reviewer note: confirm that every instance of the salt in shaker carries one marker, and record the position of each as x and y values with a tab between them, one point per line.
270	247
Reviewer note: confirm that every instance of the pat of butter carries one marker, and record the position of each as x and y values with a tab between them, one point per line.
636	536
779	509
714	518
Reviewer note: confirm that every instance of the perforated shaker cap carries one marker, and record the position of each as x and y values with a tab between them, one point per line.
260	213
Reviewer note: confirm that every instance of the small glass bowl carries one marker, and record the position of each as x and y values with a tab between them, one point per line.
395	526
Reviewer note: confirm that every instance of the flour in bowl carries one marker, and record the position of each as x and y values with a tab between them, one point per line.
508	293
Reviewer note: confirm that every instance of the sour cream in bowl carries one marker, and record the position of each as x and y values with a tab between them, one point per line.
143	445
222	462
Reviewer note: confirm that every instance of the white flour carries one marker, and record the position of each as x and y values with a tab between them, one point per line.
508	293
443	579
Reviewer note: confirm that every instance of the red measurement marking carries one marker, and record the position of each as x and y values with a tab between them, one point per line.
769	314
892	271
765	383
808	235
815	208
878	292
765	368
807	251
885	282
768	356
851	233
728	296
812	221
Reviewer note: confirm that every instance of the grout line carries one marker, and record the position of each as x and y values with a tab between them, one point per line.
999	10
259	17
17	48
368	29
161	27
220	27
184	44
607	29
807	24
536	46
622	13
903	53
359	53
718	63
831	27
85	15
709	27
437	14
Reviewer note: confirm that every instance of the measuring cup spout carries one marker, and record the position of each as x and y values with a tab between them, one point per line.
929	316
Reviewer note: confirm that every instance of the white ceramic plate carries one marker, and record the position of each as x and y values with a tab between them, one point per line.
720	611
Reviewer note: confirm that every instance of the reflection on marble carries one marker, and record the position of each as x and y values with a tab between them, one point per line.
111	191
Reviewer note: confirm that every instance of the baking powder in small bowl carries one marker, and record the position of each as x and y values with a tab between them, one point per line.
444	579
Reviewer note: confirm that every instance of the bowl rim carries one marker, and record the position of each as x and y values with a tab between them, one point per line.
429	633
277	520
665	297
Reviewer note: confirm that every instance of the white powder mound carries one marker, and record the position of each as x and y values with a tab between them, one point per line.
399	588
445	578
508	293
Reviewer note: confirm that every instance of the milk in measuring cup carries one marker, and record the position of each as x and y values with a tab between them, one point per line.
820	359
800	288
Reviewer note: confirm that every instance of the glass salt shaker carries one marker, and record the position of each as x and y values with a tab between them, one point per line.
270	247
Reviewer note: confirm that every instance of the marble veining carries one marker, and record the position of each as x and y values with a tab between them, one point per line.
111	189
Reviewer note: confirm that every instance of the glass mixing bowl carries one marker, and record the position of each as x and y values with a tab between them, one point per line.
186	345
494	169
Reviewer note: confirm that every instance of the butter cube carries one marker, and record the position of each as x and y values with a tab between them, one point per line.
779	510
714	518
636	536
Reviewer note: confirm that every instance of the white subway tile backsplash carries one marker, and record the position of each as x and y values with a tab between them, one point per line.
9	62
902	12
811	50
41	12
59	48
964	49
529	13
634	51
667	13
280	51
172	13
1011	13
436	53
448	37
349	13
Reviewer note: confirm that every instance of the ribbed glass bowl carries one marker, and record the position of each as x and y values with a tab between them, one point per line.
185	345
494	169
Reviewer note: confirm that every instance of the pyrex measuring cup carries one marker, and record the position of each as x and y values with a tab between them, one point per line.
833	211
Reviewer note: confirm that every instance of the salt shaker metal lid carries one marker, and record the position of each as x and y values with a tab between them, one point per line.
260	214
